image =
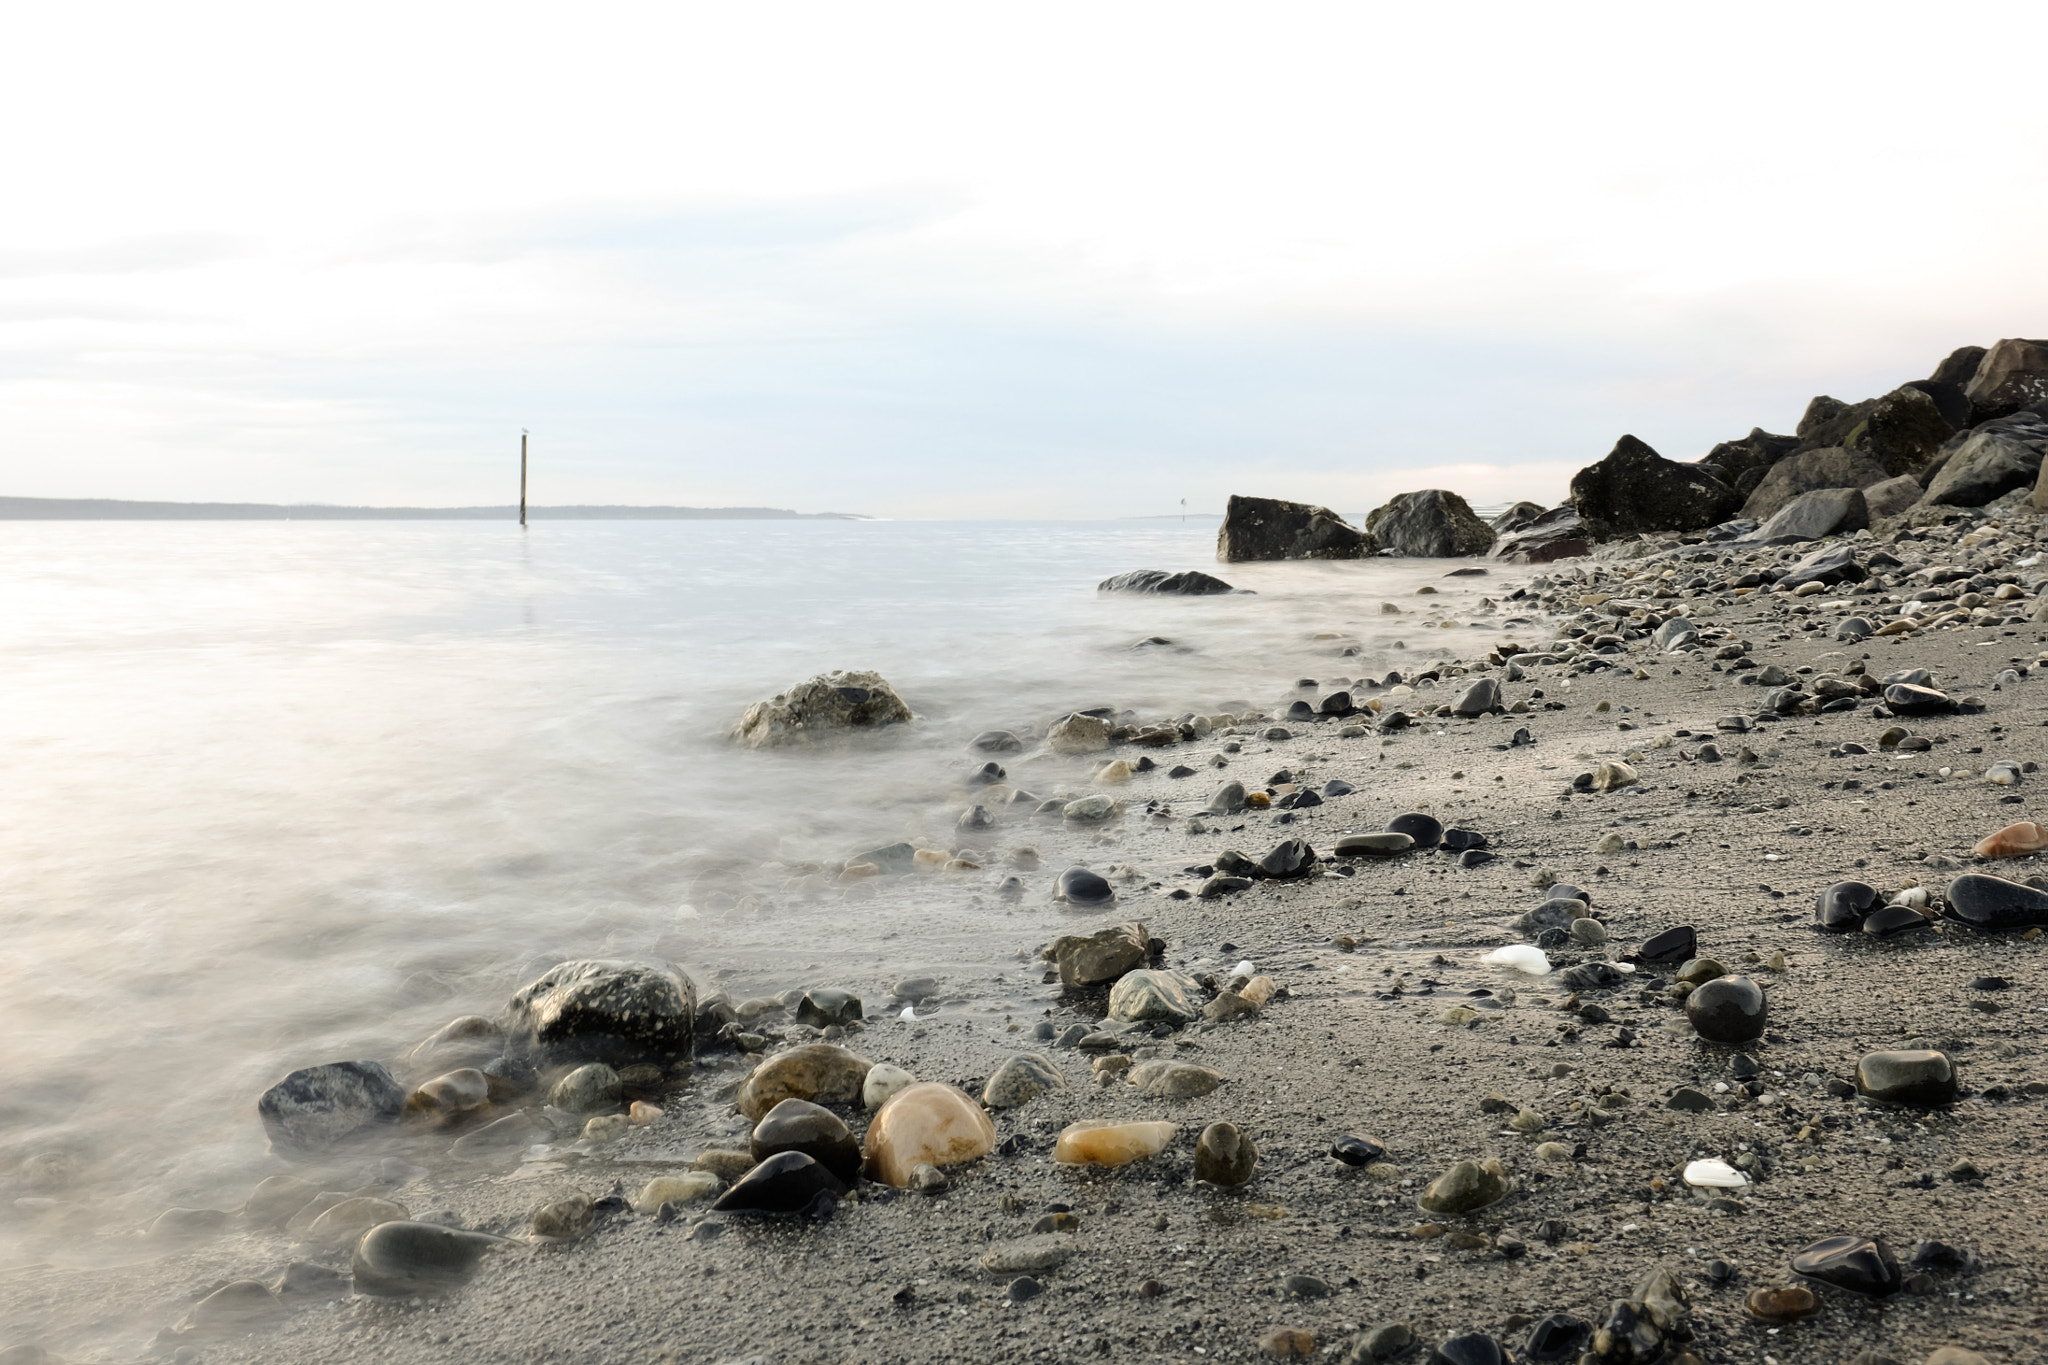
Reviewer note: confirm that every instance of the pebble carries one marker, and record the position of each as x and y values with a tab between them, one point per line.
1288	1343
277	1198
1102	1142
1288	859
1788	1304
674	1189
1469	1348
1728	1009
801	1126
1861	1265
1613	775
1079	886
1557	1339
1164	1080
1021	1079
449	1098
1386	844
1842	906
1466	1187
724	1163
1670	945
1918	1077
1022	1289
786	1183
823	1073
1039	1251
926	1124
928	1179
1894	919
1091	959
1908	700
1714	1175
399	1260
1588	932
1425	830
1148	994
592	1089
565	1219
237	1306
823	1008
1224	1155
344	1222
1993	903
2014	841
1355	1150
317	1107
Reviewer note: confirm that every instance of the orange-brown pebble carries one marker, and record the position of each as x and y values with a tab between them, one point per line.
1258	799
1782	1305
1098	1142
925	1124
2014	841
1288	1343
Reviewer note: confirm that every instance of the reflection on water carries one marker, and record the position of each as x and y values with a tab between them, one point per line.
289	792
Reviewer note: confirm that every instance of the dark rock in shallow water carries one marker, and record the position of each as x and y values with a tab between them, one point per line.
399	1260
316	1107
1292	858
996	742
1336	704
1557	1340
823	1008
1470	1348
786	1183
1888	920
1188	583
1919	1077
1994	903
1842	906
1907	700
1728	1009
1353	1150
1861	1265
1433	523
987	775
1079	886
1672	945
812	1129
1425	830
617	1012
1271	528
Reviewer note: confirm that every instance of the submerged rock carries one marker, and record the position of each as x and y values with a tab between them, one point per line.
1270	529
824	707
351	1218
1224	1155
1101	1142
316	1107
400	1260
801	1126
926	1124
1188	583
448	1099
604	1010
823	1073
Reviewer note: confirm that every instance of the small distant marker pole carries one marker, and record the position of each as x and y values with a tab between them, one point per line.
1183	511
522	476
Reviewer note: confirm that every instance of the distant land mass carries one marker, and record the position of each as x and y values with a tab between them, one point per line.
114	509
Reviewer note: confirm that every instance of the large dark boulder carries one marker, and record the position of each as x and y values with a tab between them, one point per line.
1516	517
1998	456
1268	528
1187	583
1557	534
1819	412
1433	523
2012	377
318	1107
1833	467
1731	460
1635	490
1822	512
1960	367
603	1010
1949	400
1902	431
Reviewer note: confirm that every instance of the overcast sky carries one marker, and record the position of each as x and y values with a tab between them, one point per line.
979	260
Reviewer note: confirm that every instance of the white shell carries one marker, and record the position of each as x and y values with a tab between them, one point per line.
1715	1175
1523	957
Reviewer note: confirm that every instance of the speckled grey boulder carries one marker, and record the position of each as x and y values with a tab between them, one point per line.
617	1012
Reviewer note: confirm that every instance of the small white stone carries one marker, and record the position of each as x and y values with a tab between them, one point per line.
1714	1175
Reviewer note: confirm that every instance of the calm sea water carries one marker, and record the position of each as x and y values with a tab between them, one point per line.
282	793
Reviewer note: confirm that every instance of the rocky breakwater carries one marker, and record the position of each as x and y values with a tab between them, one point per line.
1270	529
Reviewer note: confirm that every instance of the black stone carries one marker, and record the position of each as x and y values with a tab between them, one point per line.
1337	787
1743	1066
1458	840
1470	1348
800	1126
1558	1338
1290	858
1591	976
987	775
1188	583
1861	1265
1353	1150
1303	800
1082	887
1672	945
1933	1255
1337	704
1728	1009
786	1183
1895	919
1687	1100
1994	903
1907	700
1231	863
996	742
1917	1077
316	1107
1841	907
1022	1288
402	1259
1425	830
1474	857
1565	891
1300	710
1989	983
